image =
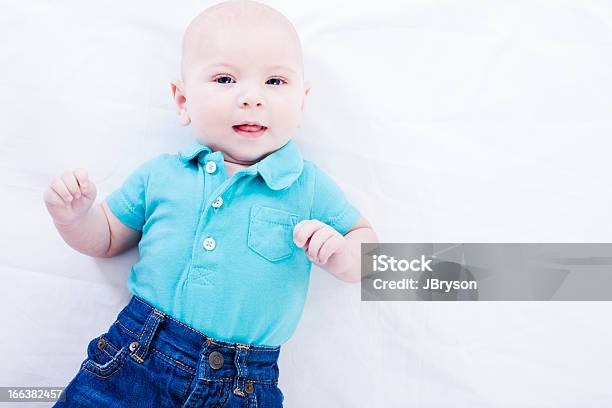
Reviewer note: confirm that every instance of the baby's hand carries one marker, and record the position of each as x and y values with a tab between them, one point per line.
320	242
70	196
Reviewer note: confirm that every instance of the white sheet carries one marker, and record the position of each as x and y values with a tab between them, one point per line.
443	121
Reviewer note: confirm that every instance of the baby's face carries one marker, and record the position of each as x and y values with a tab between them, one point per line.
243	74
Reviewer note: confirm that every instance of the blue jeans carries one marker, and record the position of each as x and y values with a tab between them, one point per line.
149	359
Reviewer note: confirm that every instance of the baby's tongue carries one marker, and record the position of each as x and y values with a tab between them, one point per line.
249	128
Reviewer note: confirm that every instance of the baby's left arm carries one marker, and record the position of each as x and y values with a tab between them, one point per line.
337	254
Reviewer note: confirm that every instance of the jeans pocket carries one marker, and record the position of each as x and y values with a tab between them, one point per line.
107	353
271	232
266	395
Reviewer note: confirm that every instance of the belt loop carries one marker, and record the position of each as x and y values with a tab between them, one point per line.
242	353
146	335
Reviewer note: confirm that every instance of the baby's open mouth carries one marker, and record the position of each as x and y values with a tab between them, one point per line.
249	130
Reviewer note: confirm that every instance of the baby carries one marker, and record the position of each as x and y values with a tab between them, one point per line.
227	229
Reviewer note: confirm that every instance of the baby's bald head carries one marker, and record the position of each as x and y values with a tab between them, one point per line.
242	17
242	63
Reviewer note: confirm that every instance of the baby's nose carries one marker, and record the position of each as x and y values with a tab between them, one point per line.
246	104
249	100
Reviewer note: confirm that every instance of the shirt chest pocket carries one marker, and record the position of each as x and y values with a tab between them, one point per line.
271	232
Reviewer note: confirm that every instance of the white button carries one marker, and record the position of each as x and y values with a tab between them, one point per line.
218	202
209	244
211	167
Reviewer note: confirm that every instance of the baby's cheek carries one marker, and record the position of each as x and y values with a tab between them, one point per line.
207	100
287	113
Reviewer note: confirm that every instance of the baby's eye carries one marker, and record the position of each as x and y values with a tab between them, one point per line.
276	81
224	79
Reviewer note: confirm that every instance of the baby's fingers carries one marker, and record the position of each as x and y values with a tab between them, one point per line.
72	184
59	186
53	198
303	230
83	181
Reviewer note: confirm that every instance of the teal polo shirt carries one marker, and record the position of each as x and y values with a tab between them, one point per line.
217	253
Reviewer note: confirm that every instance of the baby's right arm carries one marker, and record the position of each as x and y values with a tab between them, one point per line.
93	231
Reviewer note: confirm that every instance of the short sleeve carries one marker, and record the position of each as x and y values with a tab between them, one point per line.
329	204
128	202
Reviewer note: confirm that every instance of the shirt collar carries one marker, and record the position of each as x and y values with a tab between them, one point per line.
279	169
193	150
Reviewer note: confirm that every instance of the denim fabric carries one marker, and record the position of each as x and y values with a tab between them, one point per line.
148	359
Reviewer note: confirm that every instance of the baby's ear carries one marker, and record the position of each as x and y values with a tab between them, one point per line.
306	90
178	95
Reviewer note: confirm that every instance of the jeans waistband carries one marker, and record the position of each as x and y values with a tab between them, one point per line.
210	359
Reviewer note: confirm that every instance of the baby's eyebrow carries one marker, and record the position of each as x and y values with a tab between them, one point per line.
219	65
282	67
269	68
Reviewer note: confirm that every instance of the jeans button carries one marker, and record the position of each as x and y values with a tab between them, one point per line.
101	343
249	387
133	345
215	359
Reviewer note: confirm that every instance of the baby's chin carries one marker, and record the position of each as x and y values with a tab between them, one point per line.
247	151
247	155
250	151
